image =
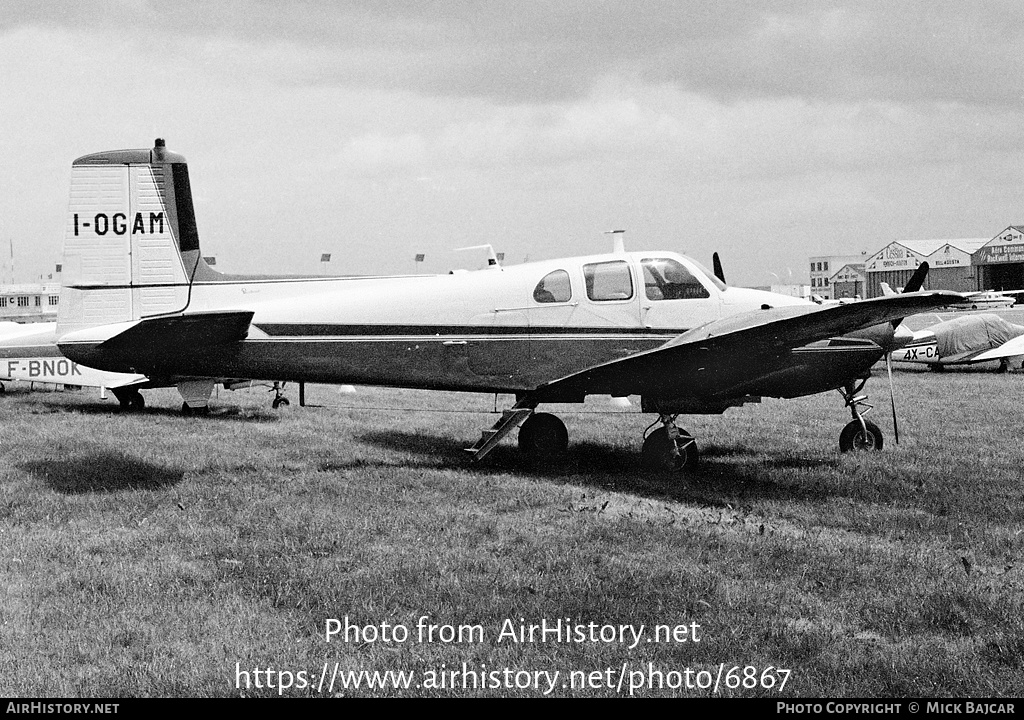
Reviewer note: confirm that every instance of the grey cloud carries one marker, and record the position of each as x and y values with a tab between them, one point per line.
511	52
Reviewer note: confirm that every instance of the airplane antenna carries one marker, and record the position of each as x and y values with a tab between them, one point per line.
618	241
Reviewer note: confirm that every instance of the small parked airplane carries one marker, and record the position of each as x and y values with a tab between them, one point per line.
962	341
987	300
139	298
965	341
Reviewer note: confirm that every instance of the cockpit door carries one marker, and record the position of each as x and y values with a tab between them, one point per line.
677	295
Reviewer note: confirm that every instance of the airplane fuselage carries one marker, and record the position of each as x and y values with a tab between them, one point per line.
497	330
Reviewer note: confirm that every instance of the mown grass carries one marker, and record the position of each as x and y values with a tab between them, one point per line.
148	554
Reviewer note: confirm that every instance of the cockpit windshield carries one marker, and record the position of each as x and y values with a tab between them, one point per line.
669	279
708	274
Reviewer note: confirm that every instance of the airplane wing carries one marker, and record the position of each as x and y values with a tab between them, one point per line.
723	355
1010	348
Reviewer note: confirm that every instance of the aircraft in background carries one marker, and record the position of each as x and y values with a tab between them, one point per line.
28	352
962	341
138	298
965	341
987	300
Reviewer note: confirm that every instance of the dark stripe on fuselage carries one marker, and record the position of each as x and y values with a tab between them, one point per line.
419	331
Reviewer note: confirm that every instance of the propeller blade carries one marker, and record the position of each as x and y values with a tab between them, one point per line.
892	398
717	262
914	284
917	279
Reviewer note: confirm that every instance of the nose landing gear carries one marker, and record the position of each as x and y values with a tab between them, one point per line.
859	434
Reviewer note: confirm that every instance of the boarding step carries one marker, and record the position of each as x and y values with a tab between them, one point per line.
509	421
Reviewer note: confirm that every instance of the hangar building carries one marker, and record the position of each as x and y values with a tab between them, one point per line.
1000	262
849	282
950	261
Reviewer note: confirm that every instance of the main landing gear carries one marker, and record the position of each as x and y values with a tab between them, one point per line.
279	398
543	437
669	448
130	399
859	434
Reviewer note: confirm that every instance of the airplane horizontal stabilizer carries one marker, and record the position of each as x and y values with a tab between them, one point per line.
715	358
151	344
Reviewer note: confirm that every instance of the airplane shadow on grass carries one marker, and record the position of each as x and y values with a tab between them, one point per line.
101	472
722	471
217	413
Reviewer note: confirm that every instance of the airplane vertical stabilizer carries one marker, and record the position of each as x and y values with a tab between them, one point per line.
130	245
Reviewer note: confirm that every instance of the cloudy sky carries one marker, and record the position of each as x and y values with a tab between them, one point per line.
377	130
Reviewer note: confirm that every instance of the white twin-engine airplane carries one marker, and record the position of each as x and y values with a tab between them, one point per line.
138	298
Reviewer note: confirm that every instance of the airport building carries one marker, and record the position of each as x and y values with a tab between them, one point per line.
824	269
949	261
999	263
850	281
963	265
29	303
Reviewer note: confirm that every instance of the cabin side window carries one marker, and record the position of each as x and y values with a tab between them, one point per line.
667	279
553	288
608	281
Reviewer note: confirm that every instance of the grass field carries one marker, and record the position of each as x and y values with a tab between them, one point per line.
159	555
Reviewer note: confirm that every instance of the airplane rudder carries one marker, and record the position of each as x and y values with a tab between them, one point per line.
130	223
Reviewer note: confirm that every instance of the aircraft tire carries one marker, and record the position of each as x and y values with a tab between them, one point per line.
852	437
660	454
137	402
278	402
124	398
187	409
543	436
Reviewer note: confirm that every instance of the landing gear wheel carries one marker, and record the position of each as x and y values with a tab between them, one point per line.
279	401
661	453
853	437
187	409
543	436
130	399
